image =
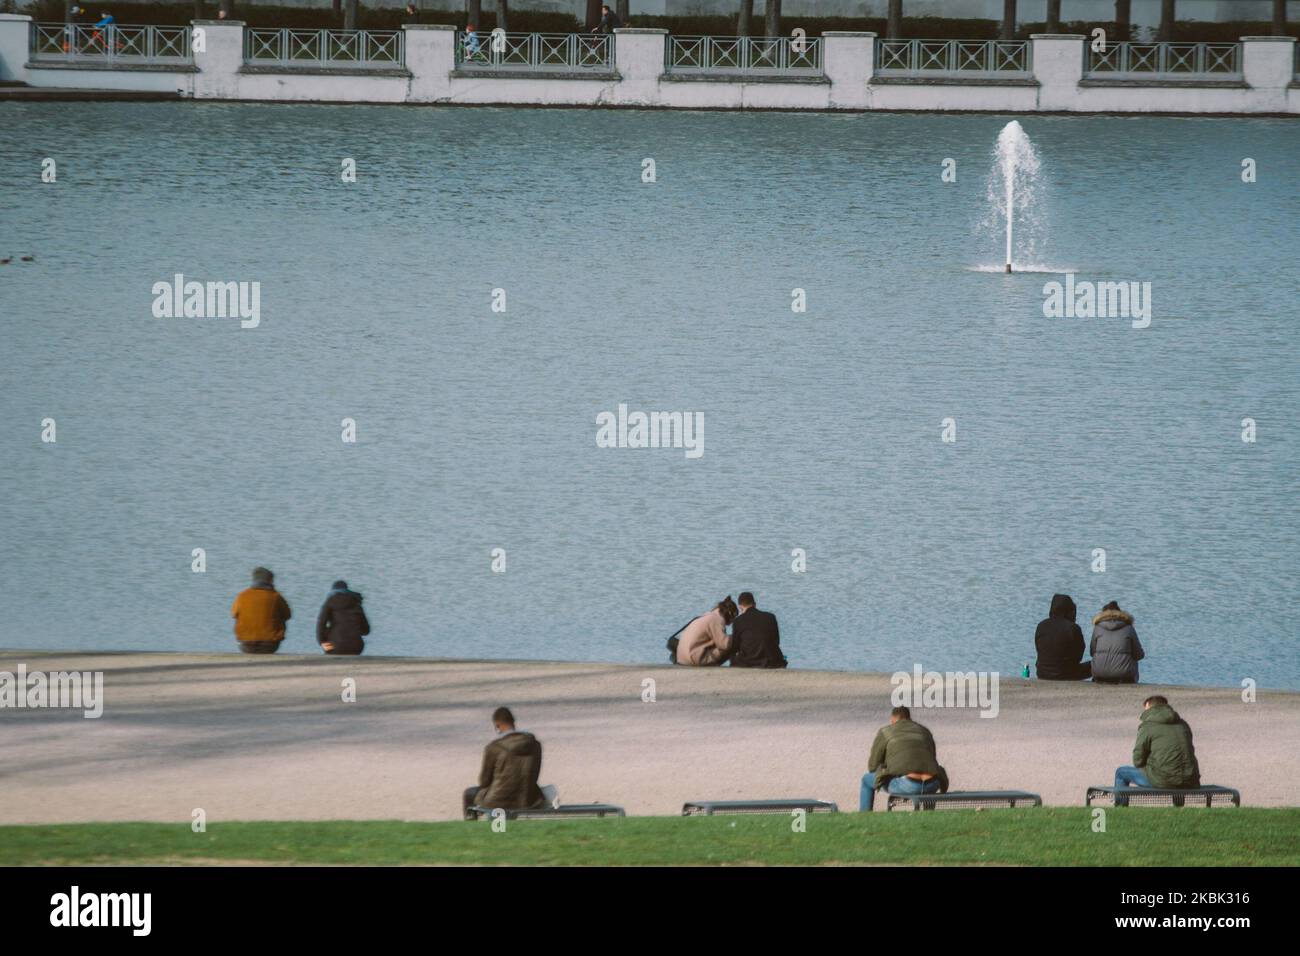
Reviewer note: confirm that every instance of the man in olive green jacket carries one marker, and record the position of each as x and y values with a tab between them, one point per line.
902	760
511	764
1163	756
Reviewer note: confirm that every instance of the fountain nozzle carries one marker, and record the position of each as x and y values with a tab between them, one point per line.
1008	267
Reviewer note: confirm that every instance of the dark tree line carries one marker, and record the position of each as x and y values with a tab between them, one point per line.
1123	18
772	16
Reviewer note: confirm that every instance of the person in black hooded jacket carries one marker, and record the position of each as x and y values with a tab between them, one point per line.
342	622
1059	643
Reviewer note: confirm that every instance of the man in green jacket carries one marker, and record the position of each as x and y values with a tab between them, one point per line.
902	761
1163	756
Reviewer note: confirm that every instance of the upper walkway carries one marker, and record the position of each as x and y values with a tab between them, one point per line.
222	59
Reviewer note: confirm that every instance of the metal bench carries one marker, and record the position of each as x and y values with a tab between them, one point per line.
710	808
550	813
962	800
1211	796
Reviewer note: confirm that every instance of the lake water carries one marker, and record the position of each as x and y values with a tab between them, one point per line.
477	430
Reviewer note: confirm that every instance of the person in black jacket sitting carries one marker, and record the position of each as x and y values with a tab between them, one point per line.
755	636
1059	643
342	622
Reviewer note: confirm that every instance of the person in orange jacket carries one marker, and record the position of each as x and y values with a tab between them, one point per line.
260	613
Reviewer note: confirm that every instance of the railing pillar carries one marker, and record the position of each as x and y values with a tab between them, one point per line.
639	58
1268	65
220	61
15	42
848	60
1058	68
430	56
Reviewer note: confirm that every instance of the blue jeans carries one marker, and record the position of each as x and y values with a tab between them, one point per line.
1130	777
1126	777
897	785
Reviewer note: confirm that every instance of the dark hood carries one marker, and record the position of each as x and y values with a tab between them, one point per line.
342	600
1063	607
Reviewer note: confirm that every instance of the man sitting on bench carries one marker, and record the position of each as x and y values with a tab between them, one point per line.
1163	757
902	760
511	765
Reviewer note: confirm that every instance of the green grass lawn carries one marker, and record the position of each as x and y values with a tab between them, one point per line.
1050	836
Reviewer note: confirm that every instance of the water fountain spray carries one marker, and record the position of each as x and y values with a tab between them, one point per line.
1016	162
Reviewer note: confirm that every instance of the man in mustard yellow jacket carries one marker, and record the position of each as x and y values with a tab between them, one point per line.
260	613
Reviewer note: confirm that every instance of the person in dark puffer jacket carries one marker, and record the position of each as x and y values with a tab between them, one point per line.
1115	649
342	622
1163	756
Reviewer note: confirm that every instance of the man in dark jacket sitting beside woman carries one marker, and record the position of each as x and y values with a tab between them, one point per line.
755	636
1115	647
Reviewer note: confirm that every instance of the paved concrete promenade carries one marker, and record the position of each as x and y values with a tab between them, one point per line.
271	738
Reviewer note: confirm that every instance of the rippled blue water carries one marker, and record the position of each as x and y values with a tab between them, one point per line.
477	429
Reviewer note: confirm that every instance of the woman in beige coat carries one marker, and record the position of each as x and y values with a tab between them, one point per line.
705	641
